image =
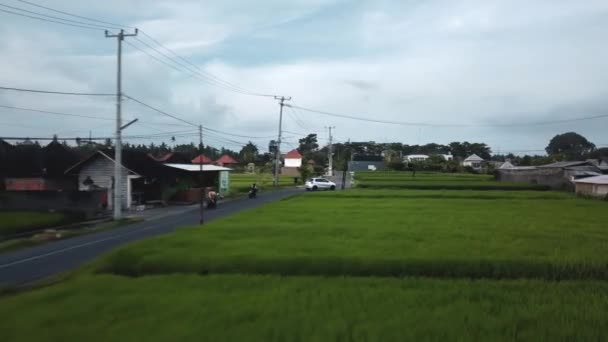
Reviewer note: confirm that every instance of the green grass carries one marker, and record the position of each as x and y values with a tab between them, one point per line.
437	181
361	265
356	233
241	182
271	308
14	222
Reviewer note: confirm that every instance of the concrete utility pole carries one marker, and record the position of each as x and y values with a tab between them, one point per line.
202	177
118	144
330	155
346	163
277	161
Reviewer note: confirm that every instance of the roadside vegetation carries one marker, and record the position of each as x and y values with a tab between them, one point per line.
14	222
366	264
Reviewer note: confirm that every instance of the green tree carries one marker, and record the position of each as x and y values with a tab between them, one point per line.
308	145
249	153
570	145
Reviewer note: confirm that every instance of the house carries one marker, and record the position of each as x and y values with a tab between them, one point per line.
226	160
446	157
30	167
506	165
144	180
416	158
592	186
600	163
292	163
559	175
293	159
202	159
366	163
474	161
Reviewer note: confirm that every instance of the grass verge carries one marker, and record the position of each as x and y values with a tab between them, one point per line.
13	222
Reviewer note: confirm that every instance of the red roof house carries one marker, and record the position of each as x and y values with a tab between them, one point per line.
226	160
293	154
202	159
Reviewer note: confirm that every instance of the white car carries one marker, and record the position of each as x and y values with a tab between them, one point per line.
314	184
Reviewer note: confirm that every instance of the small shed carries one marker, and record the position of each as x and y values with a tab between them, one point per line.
218	176
592	186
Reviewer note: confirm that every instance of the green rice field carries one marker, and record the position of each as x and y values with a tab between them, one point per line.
369	264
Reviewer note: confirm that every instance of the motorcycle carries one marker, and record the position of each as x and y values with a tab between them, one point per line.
253	193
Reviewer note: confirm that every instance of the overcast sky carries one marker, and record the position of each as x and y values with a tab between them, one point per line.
487	64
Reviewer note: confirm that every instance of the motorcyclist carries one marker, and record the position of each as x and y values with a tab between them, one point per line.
212	198
253	191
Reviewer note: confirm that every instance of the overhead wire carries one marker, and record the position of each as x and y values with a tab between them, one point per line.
74	15
50	20
54	92
160	111
403	123
53	17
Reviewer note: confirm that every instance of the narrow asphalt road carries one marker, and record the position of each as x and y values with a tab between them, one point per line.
29	265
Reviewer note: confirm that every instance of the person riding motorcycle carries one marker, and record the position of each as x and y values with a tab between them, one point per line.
212	198
253	191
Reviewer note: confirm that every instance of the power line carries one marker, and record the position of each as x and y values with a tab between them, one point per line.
56	113
160	111
53	17
207	74
55	92
402	123
237	135
184	68
188	66
74	15
50	20
180	69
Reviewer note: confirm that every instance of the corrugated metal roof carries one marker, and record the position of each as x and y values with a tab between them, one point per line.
197	167
603	179
565	164
474	158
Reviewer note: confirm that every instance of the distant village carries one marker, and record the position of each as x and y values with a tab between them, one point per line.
82	178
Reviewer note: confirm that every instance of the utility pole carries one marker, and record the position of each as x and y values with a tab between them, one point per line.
277	160
202	175
118	144
330	170
347	156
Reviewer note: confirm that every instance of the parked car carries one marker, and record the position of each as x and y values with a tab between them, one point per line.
314	184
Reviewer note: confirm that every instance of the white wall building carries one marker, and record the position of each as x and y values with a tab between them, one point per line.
416	157
474	161
293	158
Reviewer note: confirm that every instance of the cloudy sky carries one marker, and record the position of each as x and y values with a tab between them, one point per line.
475	70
